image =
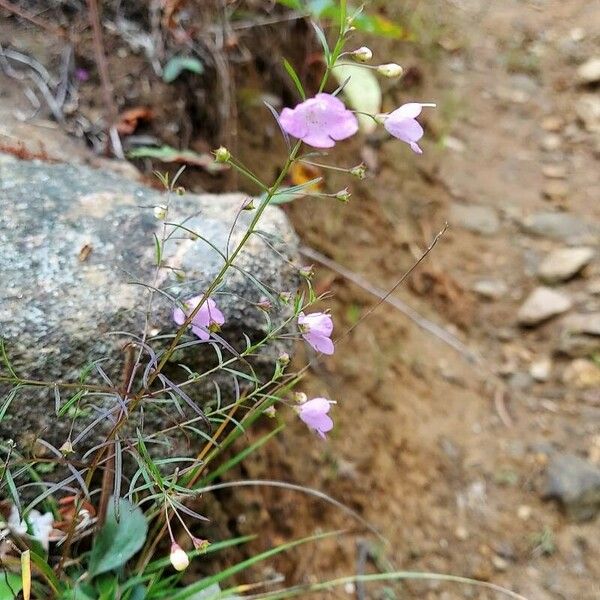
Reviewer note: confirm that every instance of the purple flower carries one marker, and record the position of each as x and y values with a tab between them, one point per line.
316	329
314	414
208	315
402	124
320	121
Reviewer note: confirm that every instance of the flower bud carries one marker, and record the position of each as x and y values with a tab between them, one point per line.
66	448
360	171
180	190
199	544
363	54
248	204
307	272
222	155
343	195
390	70
178	557
299	397
270	412
284	359
264	304
160	212
285	297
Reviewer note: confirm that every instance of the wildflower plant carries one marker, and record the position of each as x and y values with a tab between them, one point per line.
121	519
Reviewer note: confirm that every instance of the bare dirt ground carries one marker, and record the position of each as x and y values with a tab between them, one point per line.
447	457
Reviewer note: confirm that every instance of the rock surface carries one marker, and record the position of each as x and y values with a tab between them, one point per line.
576	484
589	71
565	263
542	304
561	226
479	219
77	247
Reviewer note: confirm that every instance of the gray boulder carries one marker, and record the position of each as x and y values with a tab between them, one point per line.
575	483
77	255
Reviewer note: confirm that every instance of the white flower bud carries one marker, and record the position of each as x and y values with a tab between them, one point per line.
390	70
222	155
160	212
178	557
363	54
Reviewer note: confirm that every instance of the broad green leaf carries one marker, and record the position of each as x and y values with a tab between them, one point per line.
119	539
178	64
10	585
362	92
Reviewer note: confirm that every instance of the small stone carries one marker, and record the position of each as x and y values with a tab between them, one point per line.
541	369
587	108
555	189
500	564
577	345
554	171
561	226
589	71
582	374
524	512
542	304
477	218
461	533
491	289
551	142
520	381
575	483
565	263
586	323
553	123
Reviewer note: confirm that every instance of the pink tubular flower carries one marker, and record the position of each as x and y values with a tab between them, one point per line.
316	329
314	414
403	125
208	315
319	122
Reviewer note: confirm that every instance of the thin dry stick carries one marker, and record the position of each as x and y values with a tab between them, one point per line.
107	89
398	304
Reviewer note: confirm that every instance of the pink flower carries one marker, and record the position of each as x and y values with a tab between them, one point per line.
320	121
208	315
316	329
402	124
314	414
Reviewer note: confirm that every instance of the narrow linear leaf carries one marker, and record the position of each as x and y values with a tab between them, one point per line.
294	77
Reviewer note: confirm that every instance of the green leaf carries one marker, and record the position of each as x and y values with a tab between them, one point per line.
175	67
378	25
120	537
10	585
294	77
168	154
293	4
362	92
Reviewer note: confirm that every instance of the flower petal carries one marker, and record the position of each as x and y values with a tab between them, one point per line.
319	342
407	130
406	111
343	126
201	332
316	406
319	139
178	316
293	122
